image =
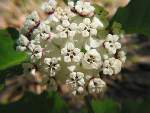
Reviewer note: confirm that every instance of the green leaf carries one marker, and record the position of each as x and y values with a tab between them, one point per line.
83	50
105	106
59	105
8	55
31	103
13	33
135	18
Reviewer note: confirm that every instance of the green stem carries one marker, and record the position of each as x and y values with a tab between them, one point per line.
88	101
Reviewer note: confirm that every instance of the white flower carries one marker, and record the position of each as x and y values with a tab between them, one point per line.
91	60
35	51
31	22
71	68
64	14
43	32
107	70
111	43
76	81
66	41
71	4
21	48
121	56
105	56
52	65
96	23
52	19
22	43
111	66
70	53
82	8
23	40
49	7
92	44
89	28
60	15
33	17
67	29
96	85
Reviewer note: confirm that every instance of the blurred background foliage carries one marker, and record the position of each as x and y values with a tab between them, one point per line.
128	93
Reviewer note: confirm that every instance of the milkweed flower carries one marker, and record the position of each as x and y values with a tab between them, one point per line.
111	66
91	59
67	47
77	82
112	44
50	6
96	85
35	51
70	53
32	21
82	8
67	29
52	65
89	28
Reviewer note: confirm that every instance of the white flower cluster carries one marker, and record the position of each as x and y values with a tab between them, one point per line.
82	8
66	46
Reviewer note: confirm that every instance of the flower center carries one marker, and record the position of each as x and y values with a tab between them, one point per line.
91	59
71	53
